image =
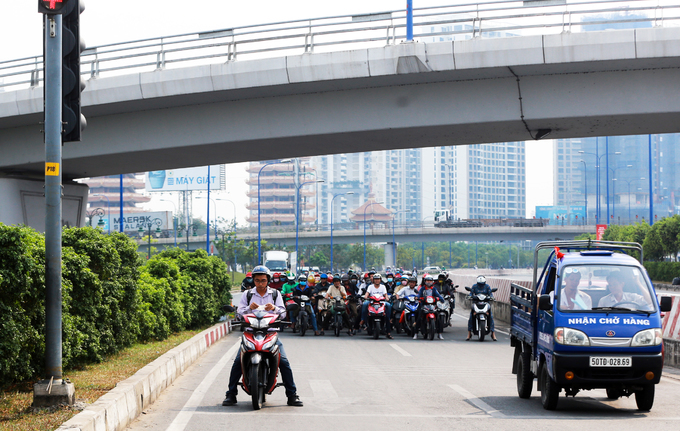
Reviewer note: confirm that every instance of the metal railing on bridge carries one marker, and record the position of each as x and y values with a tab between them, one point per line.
442	23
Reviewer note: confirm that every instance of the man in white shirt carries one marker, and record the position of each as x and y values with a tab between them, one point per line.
570	297
617	296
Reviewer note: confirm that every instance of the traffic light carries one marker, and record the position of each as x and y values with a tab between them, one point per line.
72	84
52	7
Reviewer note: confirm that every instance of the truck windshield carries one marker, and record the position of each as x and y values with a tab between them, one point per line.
604	287
276	265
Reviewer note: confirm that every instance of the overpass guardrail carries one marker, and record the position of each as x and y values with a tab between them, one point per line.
455	22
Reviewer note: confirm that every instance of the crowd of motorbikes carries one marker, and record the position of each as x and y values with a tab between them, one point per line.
337	314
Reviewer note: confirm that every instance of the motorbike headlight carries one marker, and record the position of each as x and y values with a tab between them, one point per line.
571	337
257	323
648	337
246	342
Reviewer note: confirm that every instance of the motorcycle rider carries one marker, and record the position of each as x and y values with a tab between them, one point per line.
338	290
390	284
247	283
320	295
377	289
263	295
428	289
409	289
276	281
485	289
288	287
306	289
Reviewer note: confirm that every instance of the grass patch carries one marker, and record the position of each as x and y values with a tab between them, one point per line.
90	382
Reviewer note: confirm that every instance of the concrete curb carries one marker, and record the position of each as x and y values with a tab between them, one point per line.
120	406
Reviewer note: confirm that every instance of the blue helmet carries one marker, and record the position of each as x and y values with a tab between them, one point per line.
260	270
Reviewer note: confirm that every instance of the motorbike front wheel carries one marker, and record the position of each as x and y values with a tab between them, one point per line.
481	329
430	329
376	330
338	324
303	323
257	384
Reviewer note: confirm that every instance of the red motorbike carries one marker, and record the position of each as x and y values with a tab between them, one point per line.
260	354
376	316
429	322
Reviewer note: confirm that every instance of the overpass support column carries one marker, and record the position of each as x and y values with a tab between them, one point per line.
390	258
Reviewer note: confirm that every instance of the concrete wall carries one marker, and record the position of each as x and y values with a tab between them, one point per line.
23	203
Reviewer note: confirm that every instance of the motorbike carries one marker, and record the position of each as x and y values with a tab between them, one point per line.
324	316
408	316
302	322
354	311
338	310
429	323
397	309
376	316
481	313
260	354
292	309
443	313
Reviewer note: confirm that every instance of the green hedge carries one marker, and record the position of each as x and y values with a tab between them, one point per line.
110	298
663	271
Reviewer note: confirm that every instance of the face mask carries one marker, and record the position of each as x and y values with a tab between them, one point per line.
398	283
428	283
276	280
389	279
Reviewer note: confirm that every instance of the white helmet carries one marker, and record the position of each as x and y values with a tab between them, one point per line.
481	280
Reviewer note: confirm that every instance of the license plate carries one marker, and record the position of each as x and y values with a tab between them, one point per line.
611	361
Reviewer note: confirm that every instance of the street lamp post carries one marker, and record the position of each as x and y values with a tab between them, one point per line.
259	224
585	184
108	210
297	220
339	194
157	222
95	212
598	159
367	207
394	242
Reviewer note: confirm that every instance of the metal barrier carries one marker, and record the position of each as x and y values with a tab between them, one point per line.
455	22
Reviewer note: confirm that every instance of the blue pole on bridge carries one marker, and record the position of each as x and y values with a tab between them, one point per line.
409	20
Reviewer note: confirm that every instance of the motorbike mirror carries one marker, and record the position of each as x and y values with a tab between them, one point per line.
666	303
467	288
544	303
228	309
494	289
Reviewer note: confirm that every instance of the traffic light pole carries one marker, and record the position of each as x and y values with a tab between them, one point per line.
53	106
53	390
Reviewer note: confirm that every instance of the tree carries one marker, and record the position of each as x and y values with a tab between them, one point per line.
669	229
652	246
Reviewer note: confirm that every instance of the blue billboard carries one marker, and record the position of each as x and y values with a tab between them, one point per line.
562	214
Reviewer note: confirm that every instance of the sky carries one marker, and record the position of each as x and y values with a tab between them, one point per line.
105	22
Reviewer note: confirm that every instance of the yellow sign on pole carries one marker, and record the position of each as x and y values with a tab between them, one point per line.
52	169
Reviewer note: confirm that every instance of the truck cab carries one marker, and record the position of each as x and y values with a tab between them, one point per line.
592	320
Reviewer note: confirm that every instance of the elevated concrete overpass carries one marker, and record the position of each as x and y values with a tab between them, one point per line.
398	96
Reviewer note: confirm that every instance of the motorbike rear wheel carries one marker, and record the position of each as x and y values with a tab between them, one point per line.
257	384
430	329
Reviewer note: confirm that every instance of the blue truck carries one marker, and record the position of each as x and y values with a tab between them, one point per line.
591	320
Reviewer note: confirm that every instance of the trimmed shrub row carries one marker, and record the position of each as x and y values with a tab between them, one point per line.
111	299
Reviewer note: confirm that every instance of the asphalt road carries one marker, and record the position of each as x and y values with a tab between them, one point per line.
400	384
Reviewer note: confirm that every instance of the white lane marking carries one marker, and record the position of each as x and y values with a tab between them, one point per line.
477	402
323	390
184	416
400	350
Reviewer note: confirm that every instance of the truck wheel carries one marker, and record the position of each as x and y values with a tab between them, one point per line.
645	398
525	379
550	392
613	393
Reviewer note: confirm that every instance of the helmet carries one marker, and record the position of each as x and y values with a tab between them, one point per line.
250	274
323	276
481	280
330	278
443	275
302	278
428	277
413	279
344	278
376	275
261	269
284	278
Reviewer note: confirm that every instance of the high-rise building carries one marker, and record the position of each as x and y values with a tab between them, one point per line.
610	175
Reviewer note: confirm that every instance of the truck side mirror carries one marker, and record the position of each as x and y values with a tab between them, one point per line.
544	303
666	303
228	309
